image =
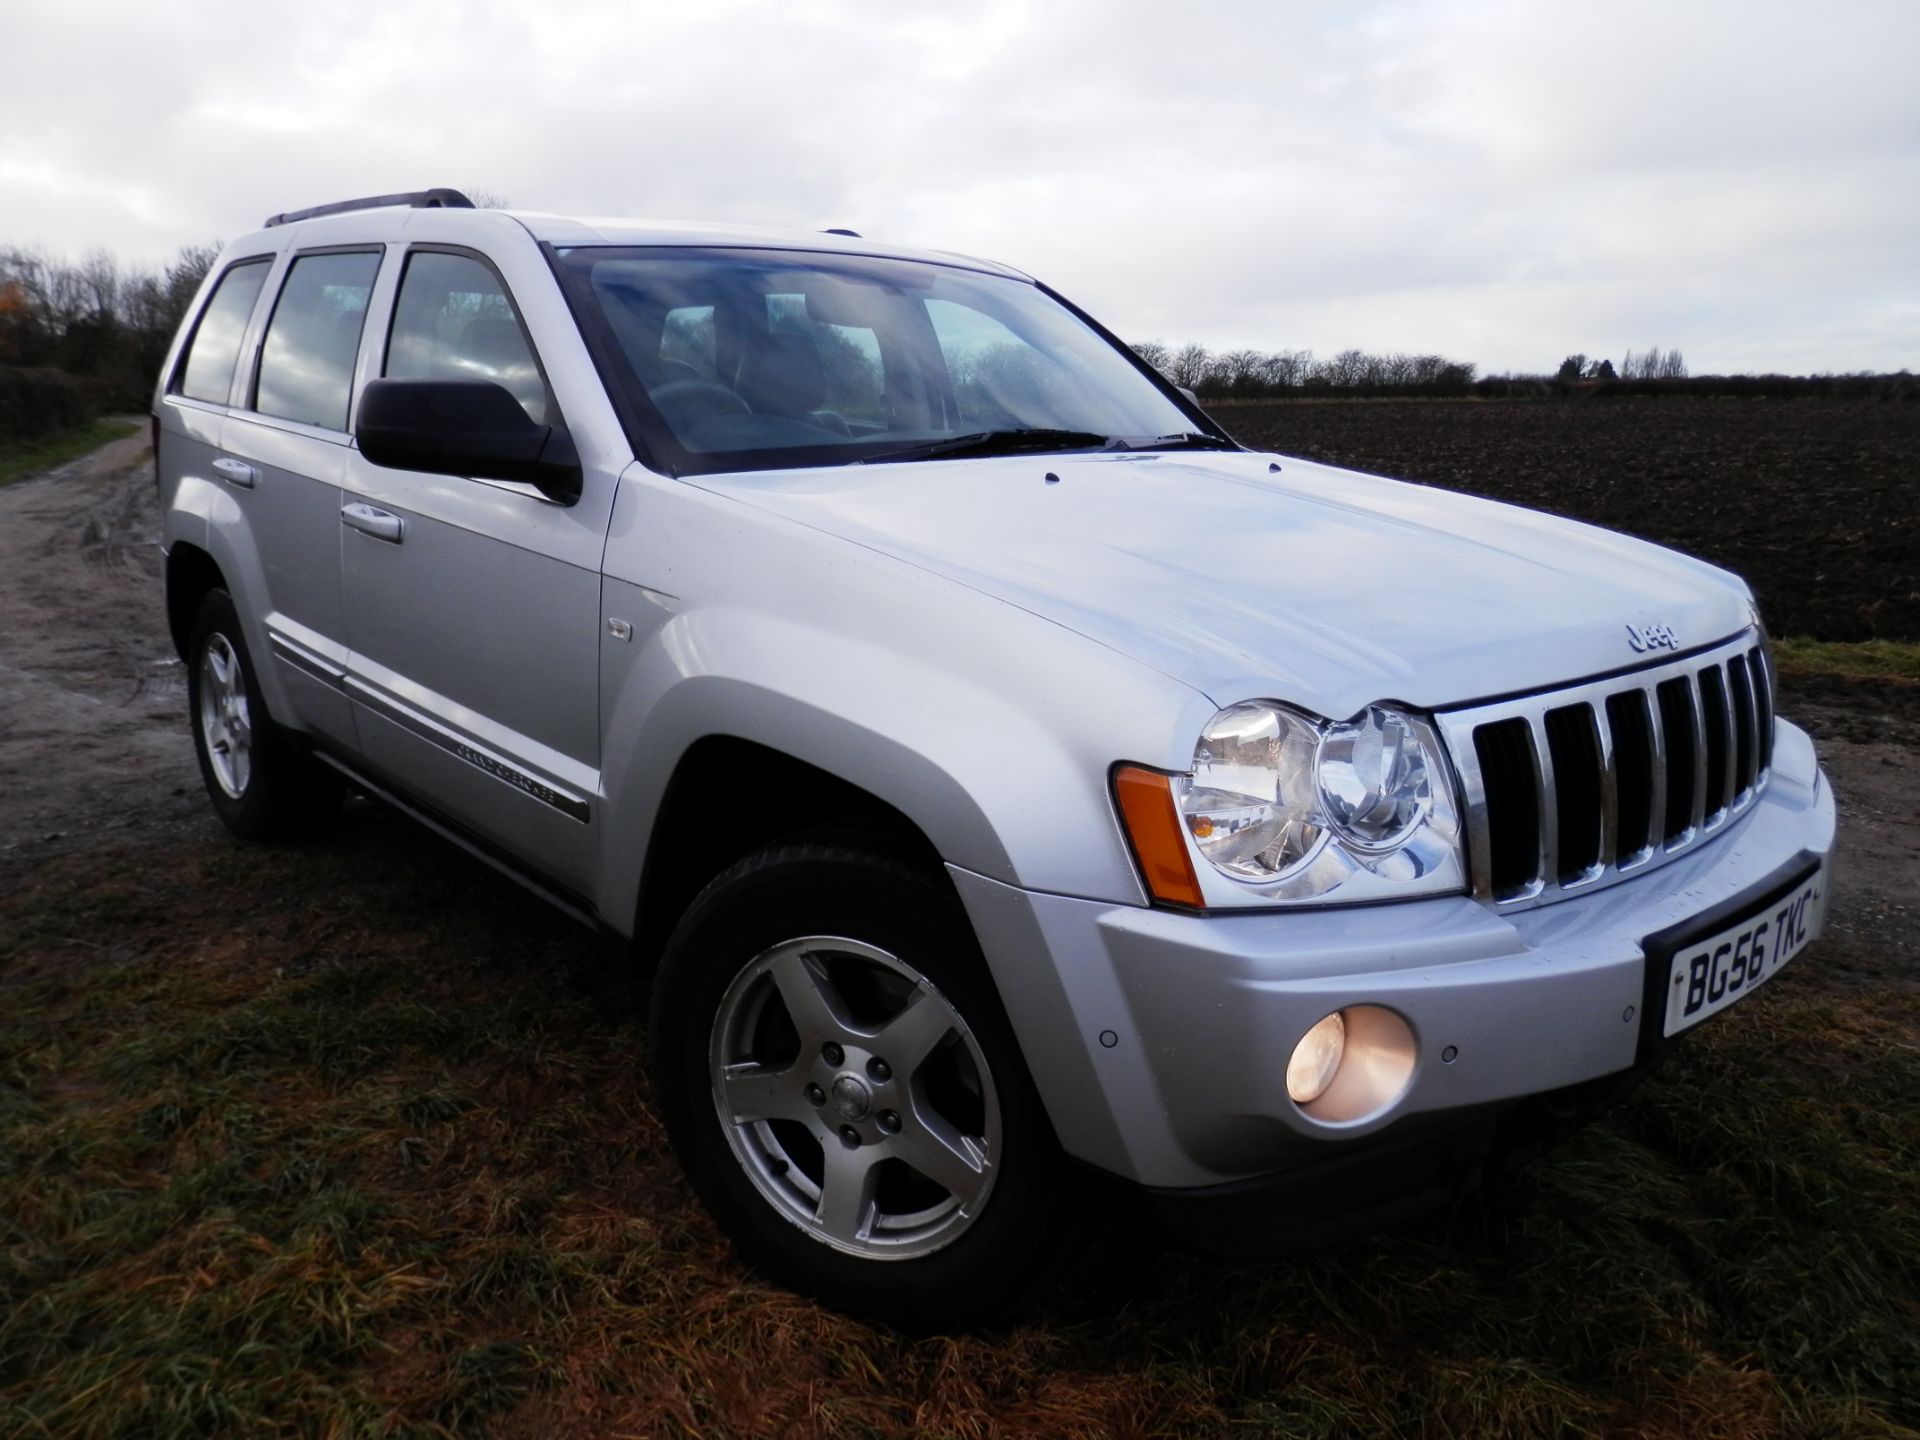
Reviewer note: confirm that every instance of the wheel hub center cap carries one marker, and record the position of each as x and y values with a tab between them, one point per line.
851	1098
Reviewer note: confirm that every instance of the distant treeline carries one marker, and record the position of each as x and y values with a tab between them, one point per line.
80	339
1358	375
1263	374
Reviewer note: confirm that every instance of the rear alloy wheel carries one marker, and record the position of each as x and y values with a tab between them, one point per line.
846	1094
261	784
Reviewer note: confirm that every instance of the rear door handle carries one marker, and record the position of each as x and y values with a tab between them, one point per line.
371	520
236	472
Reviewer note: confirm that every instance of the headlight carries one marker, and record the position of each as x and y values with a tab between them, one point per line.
1249	802
1290	807
1375	782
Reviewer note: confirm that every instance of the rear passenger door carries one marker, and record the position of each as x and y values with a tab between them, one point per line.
283	451
473	605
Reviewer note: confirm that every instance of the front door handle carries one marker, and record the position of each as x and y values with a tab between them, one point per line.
236	472
371	520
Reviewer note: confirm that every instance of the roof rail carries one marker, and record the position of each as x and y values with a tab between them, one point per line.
437	199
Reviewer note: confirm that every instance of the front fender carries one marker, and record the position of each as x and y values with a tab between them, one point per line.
995	777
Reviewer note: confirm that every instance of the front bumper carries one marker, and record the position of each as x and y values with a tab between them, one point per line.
1159	1040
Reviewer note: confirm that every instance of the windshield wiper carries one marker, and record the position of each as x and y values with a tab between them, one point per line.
995	442
1186	440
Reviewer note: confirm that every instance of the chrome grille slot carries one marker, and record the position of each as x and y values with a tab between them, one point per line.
1507	772
1634	766
1719	725
1740	690
1578	772
1761	669
1680	734
1574	789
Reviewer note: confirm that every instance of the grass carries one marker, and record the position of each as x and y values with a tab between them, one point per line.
21	458
347	1140
1870	659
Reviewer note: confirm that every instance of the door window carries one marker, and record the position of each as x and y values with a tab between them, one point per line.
453	321
306	362
215	347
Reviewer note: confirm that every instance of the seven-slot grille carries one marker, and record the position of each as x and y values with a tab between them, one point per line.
1571	790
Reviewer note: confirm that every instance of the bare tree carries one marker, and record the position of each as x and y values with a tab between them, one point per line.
1154	353
1191	364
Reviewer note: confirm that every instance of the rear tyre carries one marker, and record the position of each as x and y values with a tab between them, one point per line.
844	1090
261	784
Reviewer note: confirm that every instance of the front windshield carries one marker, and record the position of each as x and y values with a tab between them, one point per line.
765	359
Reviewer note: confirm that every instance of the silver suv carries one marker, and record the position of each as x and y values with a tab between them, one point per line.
1012	783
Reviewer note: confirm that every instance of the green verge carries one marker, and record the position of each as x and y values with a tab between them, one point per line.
334	1140
21	458
1874	659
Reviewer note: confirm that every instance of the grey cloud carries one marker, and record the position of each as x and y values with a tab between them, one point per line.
1500	182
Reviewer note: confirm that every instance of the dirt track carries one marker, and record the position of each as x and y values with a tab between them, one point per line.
94	747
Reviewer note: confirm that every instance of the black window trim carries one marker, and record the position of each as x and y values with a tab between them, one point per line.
250	401
178	376
467	252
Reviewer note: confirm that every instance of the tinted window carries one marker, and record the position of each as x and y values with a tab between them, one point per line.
306	364
454	322
208	373
756	359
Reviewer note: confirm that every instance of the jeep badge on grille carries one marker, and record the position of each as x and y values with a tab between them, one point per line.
1652	637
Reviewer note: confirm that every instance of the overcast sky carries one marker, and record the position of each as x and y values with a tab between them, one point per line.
1503	183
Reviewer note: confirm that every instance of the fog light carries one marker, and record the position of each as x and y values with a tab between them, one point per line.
1316	1059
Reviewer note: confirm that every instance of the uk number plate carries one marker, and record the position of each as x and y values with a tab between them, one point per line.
1709	974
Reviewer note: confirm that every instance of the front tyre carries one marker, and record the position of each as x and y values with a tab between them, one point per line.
845	1092
261	785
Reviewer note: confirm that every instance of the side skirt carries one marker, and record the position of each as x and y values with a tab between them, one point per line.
578	907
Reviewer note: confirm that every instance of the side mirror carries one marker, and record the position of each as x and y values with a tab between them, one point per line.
1195	399
465	427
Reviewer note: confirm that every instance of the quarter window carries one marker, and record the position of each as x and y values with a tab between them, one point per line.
306	362
208	372
453	321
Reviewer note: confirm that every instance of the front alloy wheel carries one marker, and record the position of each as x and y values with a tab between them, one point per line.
855	1097
837	1075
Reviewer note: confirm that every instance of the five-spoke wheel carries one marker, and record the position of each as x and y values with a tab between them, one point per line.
226	728
838	1076
261	782
855	1097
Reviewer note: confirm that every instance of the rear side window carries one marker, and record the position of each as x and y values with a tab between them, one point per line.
208	372
306	362
453	321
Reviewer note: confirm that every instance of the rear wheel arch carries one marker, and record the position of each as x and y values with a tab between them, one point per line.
191	574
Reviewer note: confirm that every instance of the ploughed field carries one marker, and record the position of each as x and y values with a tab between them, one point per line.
1815	501
351	1138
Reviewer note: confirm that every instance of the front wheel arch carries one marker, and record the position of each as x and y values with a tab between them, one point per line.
693	840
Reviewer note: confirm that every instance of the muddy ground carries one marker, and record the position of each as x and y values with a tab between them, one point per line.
94	746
